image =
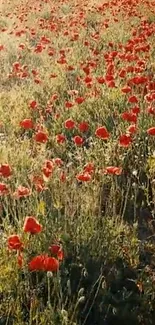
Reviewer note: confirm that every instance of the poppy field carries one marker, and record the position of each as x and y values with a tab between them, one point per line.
77	162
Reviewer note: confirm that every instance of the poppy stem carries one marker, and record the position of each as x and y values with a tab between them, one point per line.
31	315
49	292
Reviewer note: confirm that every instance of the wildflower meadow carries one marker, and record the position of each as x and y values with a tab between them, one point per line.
77	162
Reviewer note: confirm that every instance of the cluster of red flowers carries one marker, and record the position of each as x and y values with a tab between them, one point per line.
133	54
67	120
42	262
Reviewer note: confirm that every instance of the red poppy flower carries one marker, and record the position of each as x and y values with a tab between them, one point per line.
49	164
88	79
102	133
16	66
53	75
109	78
78	140
39	48
63	176
86	69
22	191
37	81
110	69
47	172
41	137
32	225
69	124
126	89
149	97
133	99
54	97
135	110
14	242
5	170
37	263
113	170
69	104
21	46
4	190
151	86
129	116
48	168
51	264
38	182
100	80
151	110
83	177
35	73
60	138
57	251
26	124
125	140
54	249
79	100
111	84
138	80
83	126
89	168
58	161
70	68
33	104
122	73
62	60
1	47
132	129
151	131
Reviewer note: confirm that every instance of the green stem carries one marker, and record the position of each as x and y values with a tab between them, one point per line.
49	292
